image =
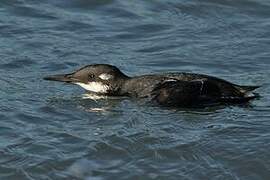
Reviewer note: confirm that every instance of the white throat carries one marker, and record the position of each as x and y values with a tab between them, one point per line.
94	87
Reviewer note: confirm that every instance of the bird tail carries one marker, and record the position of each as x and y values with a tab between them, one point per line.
246	89
244	99
247	92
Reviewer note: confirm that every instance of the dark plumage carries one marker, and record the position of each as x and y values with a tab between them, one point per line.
169	89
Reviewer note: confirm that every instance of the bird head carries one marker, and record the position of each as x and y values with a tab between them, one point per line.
97	78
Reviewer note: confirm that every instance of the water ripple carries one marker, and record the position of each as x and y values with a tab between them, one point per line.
54	131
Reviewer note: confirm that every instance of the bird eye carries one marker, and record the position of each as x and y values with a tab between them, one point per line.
91	76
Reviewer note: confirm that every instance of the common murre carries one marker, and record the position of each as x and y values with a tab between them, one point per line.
168	89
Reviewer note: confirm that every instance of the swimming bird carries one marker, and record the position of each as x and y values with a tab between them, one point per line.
167	89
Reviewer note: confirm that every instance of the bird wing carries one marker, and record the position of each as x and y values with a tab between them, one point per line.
199	92
173	92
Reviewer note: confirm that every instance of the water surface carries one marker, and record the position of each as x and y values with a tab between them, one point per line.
53	131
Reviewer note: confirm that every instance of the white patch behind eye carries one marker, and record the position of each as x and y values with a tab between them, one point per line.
105	76
94	87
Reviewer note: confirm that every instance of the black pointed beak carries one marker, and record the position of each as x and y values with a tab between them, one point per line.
68	78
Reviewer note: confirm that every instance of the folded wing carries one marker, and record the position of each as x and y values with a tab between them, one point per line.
173	92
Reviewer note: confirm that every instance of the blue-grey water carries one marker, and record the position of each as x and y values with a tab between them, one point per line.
50	130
